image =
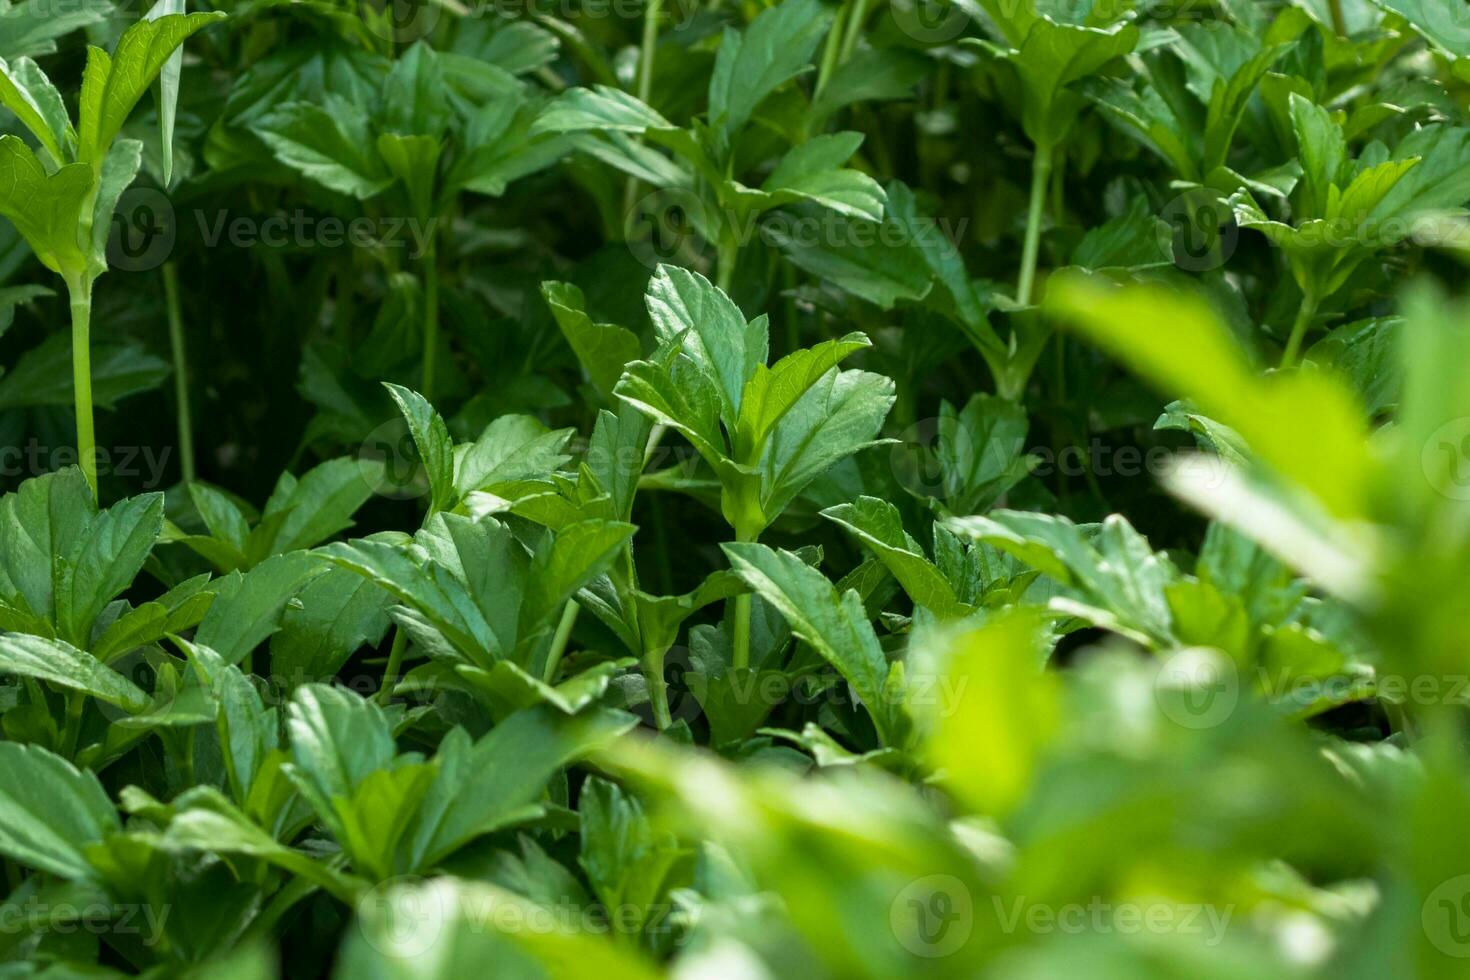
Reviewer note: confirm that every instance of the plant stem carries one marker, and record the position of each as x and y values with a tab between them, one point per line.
729	255
648	50
431	321
855	21
1339	22
1304	316
741	659
395	665
658	687
81	375
181	369
831	49
1040	173
76	704
560	639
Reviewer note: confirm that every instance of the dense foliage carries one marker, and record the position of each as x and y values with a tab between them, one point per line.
817	488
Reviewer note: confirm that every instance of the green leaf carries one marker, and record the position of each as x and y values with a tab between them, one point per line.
1322	150
482	788
512	448
1307	426
470	924
1119	580
813	171
31	29
777	46
688	309
339	614
26	91
835	626
119	168
878	524
45	208
773	392
338	740
113	86
168	89
43	375
838	416
249	606
598	109
873	262
311	509
51	812
329	144
431	436
870	75
415	94
990	745
603	349
104	562
62	664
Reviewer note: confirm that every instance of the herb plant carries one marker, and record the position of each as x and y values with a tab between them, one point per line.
797	489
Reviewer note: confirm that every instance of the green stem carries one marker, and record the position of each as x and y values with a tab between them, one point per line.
76	704
658	687
431	321
181	369
648	50
741	659
81	374
1339	22
395	665
1304	316
831	50
560	639
729	255
1040	173
854	30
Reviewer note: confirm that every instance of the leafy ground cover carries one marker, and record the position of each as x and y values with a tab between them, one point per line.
794	489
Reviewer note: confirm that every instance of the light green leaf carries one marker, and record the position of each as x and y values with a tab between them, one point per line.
879	525
112	86
62	664
835	626
51	811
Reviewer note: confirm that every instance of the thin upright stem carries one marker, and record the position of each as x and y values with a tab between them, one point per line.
76	705
831	49
1304	315
658	688
431	321
729	257
741	640
395	665
181	370
560	640
854	31
1040	173
81	373
647	52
